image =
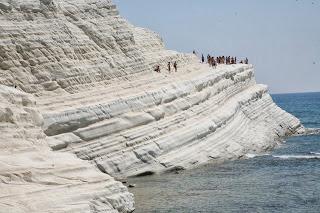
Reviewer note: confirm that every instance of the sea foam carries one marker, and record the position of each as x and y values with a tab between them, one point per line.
297	156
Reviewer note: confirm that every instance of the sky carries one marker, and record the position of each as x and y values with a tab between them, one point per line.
281	38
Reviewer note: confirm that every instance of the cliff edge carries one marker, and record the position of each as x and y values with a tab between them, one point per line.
89	106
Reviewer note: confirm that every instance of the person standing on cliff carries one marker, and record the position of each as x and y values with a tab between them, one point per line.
175	65
169	67
214	63
157	69
202	58
209	61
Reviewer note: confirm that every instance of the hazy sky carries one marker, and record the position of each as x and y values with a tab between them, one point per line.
280	37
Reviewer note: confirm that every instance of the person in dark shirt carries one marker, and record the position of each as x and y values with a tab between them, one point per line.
175	65
169	67
157	69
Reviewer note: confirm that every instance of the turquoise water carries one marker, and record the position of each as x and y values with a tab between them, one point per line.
286	180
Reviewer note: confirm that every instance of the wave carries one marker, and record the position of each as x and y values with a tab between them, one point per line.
315	153
297	156
312	131
249	155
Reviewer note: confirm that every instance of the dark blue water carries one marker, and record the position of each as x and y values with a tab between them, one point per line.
305	106
286	180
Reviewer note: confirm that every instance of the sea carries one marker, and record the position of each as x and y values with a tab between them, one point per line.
286	180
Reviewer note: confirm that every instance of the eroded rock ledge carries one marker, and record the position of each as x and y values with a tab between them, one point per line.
86	88
35	179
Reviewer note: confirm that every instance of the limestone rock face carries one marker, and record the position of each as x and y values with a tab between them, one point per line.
35	179
86	88
70	46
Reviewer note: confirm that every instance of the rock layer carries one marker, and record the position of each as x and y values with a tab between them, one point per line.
218	115
35	179
89	91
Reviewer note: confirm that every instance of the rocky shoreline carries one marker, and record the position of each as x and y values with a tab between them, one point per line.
88	108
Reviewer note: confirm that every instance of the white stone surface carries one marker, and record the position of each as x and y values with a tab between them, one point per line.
35	179
90	90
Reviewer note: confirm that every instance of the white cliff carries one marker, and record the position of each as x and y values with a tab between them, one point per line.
89	91
35	179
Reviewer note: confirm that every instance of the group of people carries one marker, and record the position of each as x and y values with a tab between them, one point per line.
169	66
212	61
